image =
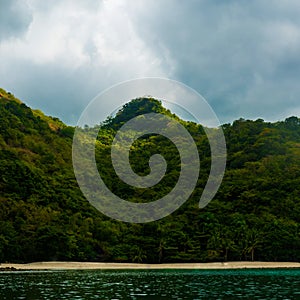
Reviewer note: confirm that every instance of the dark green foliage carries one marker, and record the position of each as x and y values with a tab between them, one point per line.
44	216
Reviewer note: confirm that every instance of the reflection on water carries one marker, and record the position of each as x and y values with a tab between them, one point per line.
151	284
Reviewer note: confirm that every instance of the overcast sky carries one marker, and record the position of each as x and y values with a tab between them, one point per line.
242	56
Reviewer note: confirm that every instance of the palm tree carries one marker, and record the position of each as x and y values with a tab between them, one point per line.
214	245
139	255
254	238
161	248
227	244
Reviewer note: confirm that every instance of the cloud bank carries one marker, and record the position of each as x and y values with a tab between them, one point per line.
242	56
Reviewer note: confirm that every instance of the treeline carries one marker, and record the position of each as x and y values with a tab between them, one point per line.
44	216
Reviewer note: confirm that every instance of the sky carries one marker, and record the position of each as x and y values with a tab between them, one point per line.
242	56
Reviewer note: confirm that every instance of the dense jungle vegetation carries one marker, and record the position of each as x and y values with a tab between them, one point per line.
44	216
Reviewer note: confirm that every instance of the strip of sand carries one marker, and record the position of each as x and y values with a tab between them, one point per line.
55	265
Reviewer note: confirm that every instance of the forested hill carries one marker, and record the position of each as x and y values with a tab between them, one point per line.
44	216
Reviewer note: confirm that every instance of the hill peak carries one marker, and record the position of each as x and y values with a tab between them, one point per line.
136	107
7	96
19	108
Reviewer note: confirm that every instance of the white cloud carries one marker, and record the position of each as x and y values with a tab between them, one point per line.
90	48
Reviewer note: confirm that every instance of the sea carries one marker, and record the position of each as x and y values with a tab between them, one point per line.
151	284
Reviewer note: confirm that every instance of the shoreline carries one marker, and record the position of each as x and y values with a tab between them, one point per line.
60	265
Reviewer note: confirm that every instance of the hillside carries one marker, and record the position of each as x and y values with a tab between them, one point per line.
44	216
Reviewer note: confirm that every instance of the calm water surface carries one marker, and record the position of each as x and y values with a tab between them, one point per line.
151	284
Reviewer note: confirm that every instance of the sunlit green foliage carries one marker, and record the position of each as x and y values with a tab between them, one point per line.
44	216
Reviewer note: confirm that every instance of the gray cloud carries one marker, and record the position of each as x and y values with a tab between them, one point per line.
72	52
15	18
242	56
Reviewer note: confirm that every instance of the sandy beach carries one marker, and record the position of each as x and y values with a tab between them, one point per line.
95	265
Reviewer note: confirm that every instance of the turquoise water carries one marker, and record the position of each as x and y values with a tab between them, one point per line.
151	284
